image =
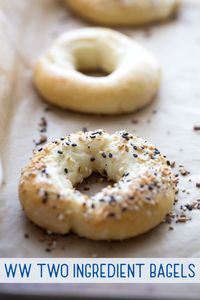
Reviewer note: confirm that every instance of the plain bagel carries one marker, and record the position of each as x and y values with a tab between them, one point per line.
124	12
133	80
143	192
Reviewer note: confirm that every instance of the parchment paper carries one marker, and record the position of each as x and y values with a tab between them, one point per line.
26	30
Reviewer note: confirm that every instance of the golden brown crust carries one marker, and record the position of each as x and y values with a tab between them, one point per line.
124	12
133	80
143	192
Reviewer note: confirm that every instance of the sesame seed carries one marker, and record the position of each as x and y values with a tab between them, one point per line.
26	235
111	214
44	172
189	207
134	121
112	199
156	151
105	173
196	128
86	188
48	250
45	197
125	174
41	141
124	209
125	136
85	129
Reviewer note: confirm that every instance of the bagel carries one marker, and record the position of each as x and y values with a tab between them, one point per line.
143	192
124	12
133	80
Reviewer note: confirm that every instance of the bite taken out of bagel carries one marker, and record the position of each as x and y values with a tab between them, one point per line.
142	194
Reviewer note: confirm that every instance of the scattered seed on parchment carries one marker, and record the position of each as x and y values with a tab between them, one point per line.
196	128
183	171
134	121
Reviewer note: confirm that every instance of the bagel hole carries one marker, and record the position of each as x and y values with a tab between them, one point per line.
99	72
93	184
94	59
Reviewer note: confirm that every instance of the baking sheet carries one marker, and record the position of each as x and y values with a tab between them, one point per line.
26	29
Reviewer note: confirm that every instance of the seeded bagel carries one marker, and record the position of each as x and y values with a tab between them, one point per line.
142	194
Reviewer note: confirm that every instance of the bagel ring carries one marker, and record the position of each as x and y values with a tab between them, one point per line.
124	12
133	80
141	196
